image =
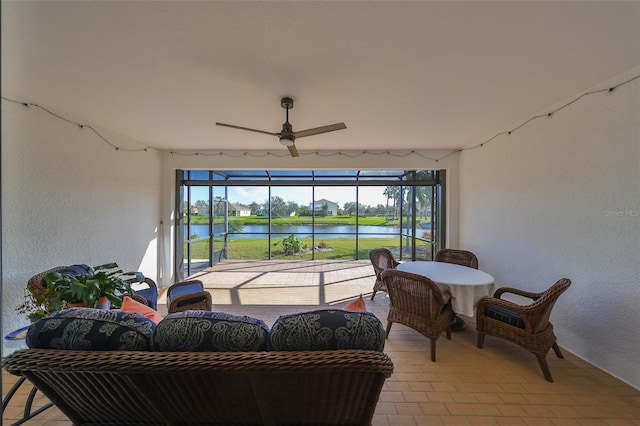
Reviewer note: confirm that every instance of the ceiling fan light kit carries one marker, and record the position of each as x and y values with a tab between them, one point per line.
287	136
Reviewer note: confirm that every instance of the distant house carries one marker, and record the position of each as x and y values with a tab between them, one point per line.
238	210
318	206
200	211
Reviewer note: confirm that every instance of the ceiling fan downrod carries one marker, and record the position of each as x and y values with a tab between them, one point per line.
287	137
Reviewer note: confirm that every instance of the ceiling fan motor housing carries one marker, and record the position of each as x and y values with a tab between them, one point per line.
286	102
287	137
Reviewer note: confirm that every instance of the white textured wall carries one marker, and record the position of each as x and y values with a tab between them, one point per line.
561	198
68	197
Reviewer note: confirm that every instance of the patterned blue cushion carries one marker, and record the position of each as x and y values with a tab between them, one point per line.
151	294
504	315
327	329
75	270
92	329
204	331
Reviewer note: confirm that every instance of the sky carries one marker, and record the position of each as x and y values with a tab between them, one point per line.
369	195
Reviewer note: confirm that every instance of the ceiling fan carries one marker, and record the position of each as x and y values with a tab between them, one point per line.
287	136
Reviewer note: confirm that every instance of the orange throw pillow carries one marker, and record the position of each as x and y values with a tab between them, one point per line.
130	305
356	305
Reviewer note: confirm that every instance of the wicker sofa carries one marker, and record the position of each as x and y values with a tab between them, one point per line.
334	381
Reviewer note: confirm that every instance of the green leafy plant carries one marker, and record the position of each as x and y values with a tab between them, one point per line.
35	307
291	245
106	280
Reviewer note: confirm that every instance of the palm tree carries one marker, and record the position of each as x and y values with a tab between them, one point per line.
393	192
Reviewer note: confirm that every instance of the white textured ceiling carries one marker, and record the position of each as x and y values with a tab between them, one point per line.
401	75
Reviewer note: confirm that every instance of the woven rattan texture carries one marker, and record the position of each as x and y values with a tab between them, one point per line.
199	300
381	259
215	388
537	335
459	257
418	303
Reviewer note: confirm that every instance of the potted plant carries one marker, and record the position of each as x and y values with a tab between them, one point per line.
36	306
106	281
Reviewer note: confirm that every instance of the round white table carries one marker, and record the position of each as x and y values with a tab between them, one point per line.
467	285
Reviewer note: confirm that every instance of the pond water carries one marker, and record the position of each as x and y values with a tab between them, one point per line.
261	231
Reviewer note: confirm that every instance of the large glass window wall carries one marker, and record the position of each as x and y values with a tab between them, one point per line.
306	215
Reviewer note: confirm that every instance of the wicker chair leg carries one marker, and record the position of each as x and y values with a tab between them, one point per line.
433	350
542	360
480	341
388	329
373	294
556	349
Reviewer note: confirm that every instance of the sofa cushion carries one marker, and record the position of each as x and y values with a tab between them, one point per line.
76	270
203	331
503	314
327	329
91	329
356	305
131	305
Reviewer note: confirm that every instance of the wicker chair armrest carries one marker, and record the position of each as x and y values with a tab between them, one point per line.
191	298
151	283
499	292
37	283
182	283
445	296
139	299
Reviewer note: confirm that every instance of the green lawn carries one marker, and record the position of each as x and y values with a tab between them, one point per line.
336	248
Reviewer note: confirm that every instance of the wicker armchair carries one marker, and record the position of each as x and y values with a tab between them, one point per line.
418	303
381	259
147	296
459	257
462	258
188	295
527	326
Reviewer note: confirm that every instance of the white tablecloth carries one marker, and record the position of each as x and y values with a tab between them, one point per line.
467	285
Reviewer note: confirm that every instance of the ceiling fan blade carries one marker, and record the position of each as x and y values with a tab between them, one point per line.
318	130
246	128
293	151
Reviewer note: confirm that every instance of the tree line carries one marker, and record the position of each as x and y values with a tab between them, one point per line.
395	195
